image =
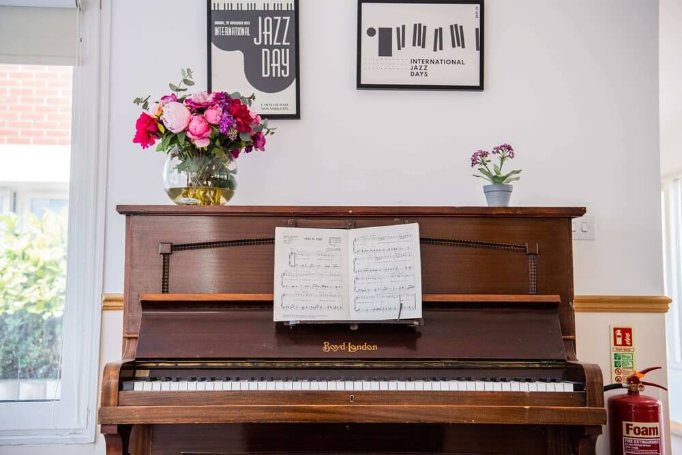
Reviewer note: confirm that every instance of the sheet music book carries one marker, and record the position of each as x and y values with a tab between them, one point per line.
366	274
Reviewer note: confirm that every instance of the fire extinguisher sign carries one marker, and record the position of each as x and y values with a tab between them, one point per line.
622	353
640	438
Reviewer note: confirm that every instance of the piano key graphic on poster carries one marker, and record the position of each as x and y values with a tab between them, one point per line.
420	44
253	49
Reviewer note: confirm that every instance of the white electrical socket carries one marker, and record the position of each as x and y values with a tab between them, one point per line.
583	228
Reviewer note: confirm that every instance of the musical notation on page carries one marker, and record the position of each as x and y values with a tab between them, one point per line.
367	274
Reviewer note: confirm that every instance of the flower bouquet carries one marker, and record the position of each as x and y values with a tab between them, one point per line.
202	133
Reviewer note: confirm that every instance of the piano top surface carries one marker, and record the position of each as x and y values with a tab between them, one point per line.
303	210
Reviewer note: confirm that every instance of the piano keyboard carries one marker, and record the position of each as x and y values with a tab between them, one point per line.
370	385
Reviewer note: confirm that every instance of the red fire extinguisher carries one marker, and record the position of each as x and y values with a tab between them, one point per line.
635	420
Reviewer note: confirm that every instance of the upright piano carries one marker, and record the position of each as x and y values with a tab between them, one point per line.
491	370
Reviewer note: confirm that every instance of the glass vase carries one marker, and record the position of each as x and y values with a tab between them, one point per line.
199	180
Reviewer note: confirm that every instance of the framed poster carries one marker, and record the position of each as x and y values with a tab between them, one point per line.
411	44
253	48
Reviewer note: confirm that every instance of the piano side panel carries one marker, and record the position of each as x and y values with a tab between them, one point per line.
445	269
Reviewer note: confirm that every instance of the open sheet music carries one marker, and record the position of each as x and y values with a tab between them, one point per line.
367	274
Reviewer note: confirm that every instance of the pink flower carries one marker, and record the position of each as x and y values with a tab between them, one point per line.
213	114
259	141
257	120
168	99
200	100
199	131
175	116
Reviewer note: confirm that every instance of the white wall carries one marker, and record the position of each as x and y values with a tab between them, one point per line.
671	87
572	85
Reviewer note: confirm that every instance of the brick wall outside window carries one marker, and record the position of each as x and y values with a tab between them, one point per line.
35	104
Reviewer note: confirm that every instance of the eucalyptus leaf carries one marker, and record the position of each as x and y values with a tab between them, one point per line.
189	82
245	137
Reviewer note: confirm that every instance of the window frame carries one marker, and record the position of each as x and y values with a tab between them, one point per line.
73	419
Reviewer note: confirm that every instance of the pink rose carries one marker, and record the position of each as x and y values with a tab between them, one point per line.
200	100
175	116
213	114
199	131
257	120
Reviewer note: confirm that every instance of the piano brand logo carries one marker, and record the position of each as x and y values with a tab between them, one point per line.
348	346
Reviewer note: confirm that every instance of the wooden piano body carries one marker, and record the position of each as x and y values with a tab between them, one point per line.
206	371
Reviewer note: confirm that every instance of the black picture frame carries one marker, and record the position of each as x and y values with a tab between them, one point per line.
233	29
448	39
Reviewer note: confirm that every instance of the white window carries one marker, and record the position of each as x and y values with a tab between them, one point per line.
49	395
672	237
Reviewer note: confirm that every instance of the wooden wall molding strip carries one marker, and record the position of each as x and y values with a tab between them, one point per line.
582	304
676	428
621	304
112	302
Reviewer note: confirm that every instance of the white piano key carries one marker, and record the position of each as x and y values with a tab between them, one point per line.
532	386
138	386
348	386
357	386
402	385
479	386
427	386
324	385
279	385
392	385
147	386
165	386
314	385
383	385
270	385
261	385
506	387
410	385
191	386
366	385
515	386
201	386
305	385
470	386
488	386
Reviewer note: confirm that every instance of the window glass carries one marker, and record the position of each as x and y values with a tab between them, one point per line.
35	144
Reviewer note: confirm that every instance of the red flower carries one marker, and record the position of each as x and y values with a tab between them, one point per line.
241	114
146	130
